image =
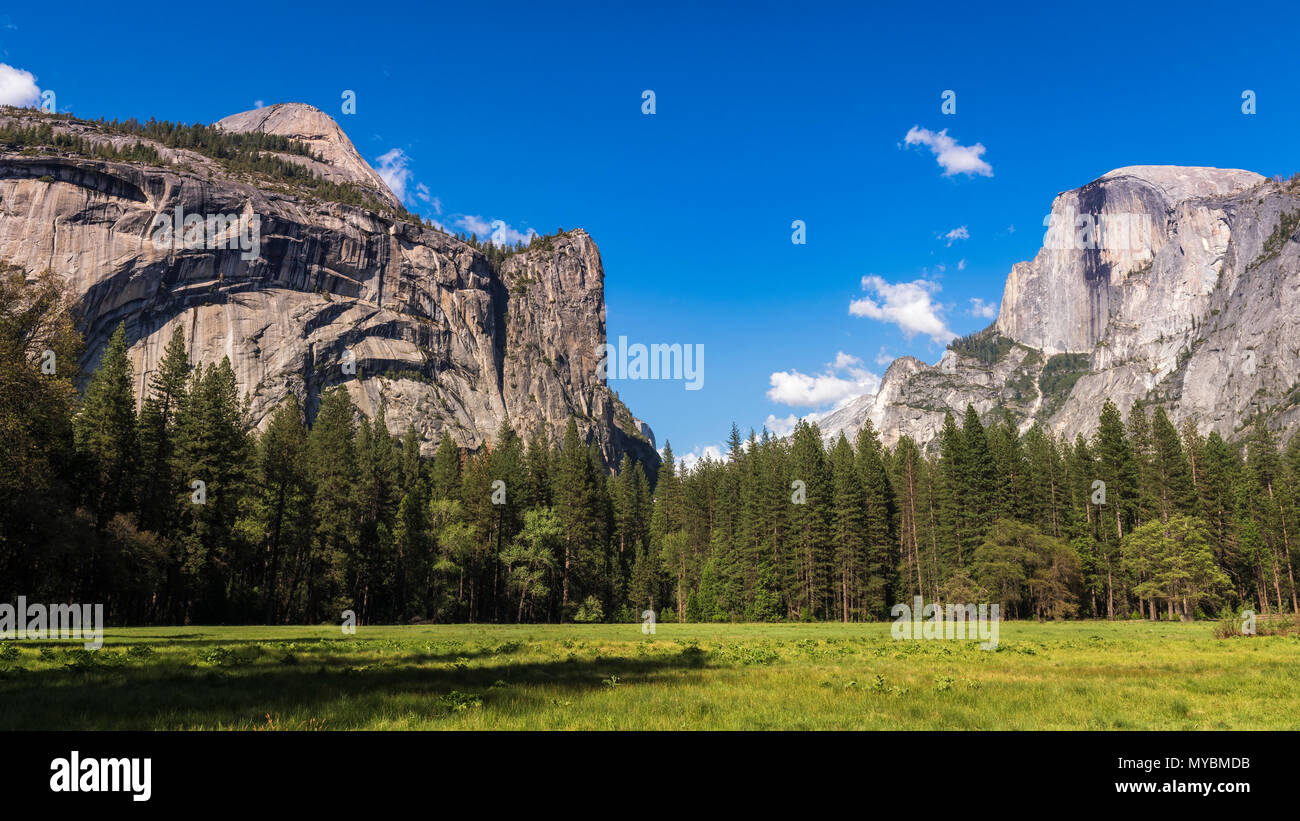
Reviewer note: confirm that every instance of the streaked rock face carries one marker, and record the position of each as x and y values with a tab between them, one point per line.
1180	287
1165	221
403	315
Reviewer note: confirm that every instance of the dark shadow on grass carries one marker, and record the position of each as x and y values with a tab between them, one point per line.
167	695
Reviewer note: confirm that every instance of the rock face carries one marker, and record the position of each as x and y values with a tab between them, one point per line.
403	315
1166	285
317	130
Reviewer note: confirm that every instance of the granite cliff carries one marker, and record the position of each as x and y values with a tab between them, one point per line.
1160	284
340	287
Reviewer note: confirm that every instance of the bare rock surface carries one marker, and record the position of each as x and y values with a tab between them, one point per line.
1159	284
404	316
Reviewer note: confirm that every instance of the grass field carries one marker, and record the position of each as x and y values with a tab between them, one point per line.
1073	675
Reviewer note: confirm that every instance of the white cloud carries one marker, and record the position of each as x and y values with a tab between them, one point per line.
394	172
473	224
783	427
259	104
961	266
688	461
495	231
423	194
978	307
884	357
953	157
844	380
18	87
906	304
955	234
780	427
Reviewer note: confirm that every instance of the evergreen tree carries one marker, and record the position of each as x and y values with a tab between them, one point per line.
446	469
980	480
578	509
848	535
158	433
880	532
810	575
332	465
104	431
412	536
1170	473
280	519
212	456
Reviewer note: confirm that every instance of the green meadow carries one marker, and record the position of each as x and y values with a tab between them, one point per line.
1067	675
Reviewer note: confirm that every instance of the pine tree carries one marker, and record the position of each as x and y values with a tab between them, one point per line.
668	540
980	481
212	456
537	468
104	431
1264	469
377	498
578	509
1043	493
446	469
332	463
1010	498
281	517
1146	505
910	483
1169	470
412	537
954	511
158	433
883	554
848	534
1223	465
810	577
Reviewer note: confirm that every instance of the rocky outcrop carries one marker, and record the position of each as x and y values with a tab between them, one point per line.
1165	285
403	315
318	131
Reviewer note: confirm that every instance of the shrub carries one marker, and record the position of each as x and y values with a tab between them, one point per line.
591	611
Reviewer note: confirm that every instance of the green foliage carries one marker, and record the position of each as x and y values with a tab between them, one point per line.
1057	380
590	611
16	137
986	346
1281	235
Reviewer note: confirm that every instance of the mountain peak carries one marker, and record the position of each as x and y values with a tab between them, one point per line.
1181	182
319	131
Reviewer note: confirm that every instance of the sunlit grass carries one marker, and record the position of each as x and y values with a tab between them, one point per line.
1074	675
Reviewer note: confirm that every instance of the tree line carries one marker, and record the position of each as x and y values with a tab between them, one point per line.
174	509
253	153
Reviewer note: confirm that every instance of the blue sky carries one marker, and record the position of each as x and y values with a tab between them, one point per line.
765	114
